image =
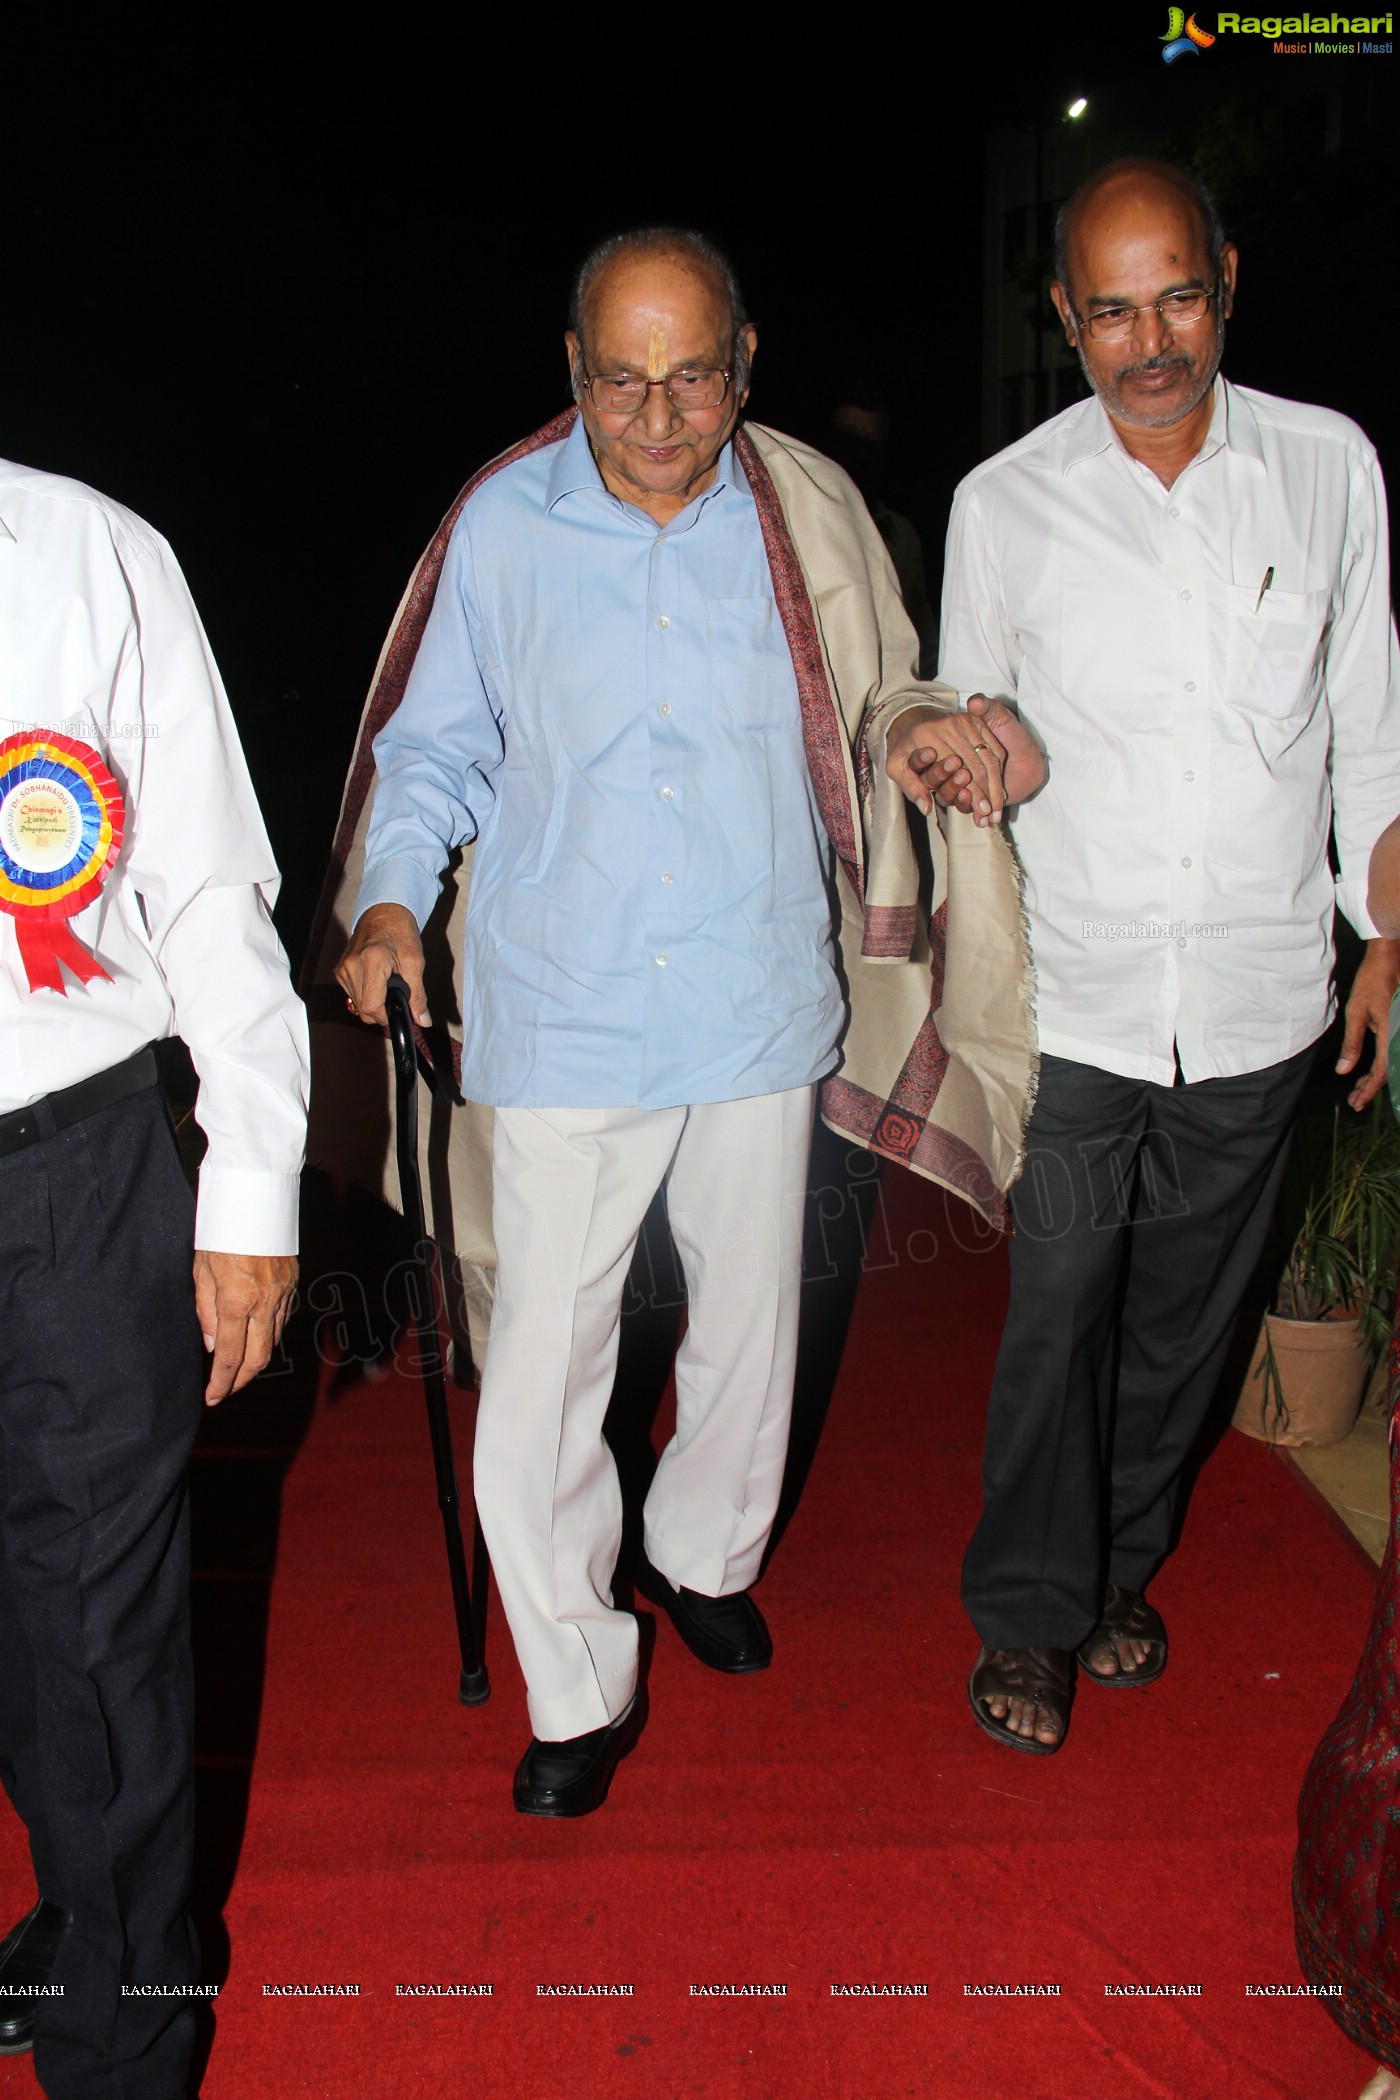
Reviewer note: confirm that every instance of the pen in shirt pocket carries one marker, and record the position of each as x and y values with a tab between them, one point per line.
1268	579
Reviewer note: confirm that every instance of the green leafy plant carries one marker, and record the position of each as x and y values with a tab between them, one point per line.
1343	1260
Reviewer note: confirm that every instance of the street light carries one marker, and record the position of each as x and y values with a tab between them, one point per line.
1077	107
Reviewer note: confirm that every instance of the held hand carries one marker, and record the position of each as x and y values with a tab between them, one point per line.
1025	771
242	1301
385	940
931	755
1369	1007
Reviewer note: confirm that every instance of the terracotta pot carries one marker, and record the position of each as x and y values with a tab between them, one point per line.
1321	1374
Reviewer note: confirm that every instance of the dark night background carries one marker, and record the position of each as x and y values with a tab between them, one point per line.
281	292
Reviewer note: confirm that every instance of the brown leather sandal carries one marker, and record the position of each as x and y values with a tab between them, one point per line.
1045	1675
1127	1615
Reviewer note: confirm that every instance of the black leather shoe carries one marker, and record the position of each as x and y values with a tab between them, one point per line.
728	1633
26	1956
571	1778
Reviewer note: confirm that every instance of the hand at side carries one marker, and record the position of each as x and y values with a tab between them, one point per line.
242	1301
1369	1007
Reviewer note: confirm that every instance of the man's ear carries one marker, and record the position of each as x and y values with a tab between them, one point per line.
1065	312
748	336
573	350
1229	271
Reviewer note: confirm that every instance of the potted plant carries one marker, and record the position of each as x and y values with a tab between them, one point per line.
1332	1312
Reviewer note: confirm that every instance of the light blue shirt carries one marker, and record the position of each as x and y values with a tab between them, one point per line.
609	708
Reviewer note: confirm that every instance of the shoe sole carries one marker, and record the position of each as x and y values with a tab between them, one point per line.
730	1669
560	1814
1122	1680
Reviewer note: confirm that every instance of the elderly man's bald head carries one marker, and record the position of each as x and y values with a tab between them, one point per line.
659	356
1136	179
677	245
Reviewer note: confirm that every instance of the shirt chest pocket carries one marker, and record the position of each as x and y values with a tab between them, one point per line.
1274	648
750	669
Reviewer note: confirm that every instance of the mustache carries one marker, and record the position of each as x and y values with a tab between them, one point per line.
1159	363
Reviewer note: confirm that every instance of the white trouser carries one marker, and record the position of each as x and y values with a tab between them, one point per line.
571	1187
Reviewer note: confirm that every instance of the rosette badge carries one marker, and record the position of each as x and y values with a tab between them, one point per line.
61	819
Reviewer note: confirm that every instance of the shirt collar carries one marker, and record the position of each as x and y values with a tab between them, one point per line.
1088	431
1237	425
575	471
574	467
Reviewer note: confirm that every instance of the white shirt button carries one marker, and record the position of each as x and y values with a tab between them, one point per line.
661	959
1181	944
663	623
1175	511
1188	776
668	794
1185	860
660	539
1186	595
667	876
1190	685
665	708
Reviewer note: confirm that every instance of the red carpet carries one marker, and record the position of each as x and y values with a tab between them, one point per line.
837	1820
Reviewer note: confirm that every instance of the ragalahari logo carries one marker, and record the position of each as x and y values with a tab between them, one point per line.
1183	36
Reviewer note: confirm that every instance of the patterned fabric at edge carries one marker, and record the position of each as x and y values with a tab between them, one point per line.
1346	1877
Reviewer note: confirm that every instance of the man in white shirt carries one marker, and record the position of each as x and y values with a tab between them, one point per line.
1184	586
136	881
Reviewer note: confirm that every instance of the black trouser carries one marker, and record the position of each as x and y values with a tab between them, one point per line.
1140	1217
100	1383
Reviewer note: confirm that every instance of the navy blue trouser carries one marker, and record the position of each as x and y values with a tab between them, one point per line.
101	1374
1140	1217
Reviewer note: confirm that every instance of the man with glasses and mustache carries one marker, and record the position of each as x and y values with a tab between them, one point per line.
653	640
1183	586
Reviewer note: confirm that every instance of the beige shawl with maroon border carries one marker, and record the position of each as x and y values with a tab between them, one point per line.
937	1061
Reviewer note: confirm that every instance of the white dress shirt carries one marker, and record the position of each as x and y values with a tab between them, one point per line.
101	642
1208	667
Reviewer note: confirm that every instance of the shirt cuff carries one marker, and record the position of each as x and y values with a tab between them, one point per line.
1351	902
932	703
242	1211
398	881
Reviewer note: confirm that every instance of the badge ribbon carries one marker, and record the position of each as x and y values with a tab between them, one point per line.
61	822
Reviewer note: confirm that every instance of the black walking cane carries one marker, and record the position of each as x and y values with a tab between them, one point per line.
475	1686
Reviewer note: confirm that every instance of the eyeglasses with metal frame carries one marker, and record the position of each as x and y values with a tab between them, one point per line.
1174	310
624	393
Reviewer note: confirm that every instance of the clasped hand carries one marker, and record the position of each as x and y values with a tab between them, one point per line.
978	761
